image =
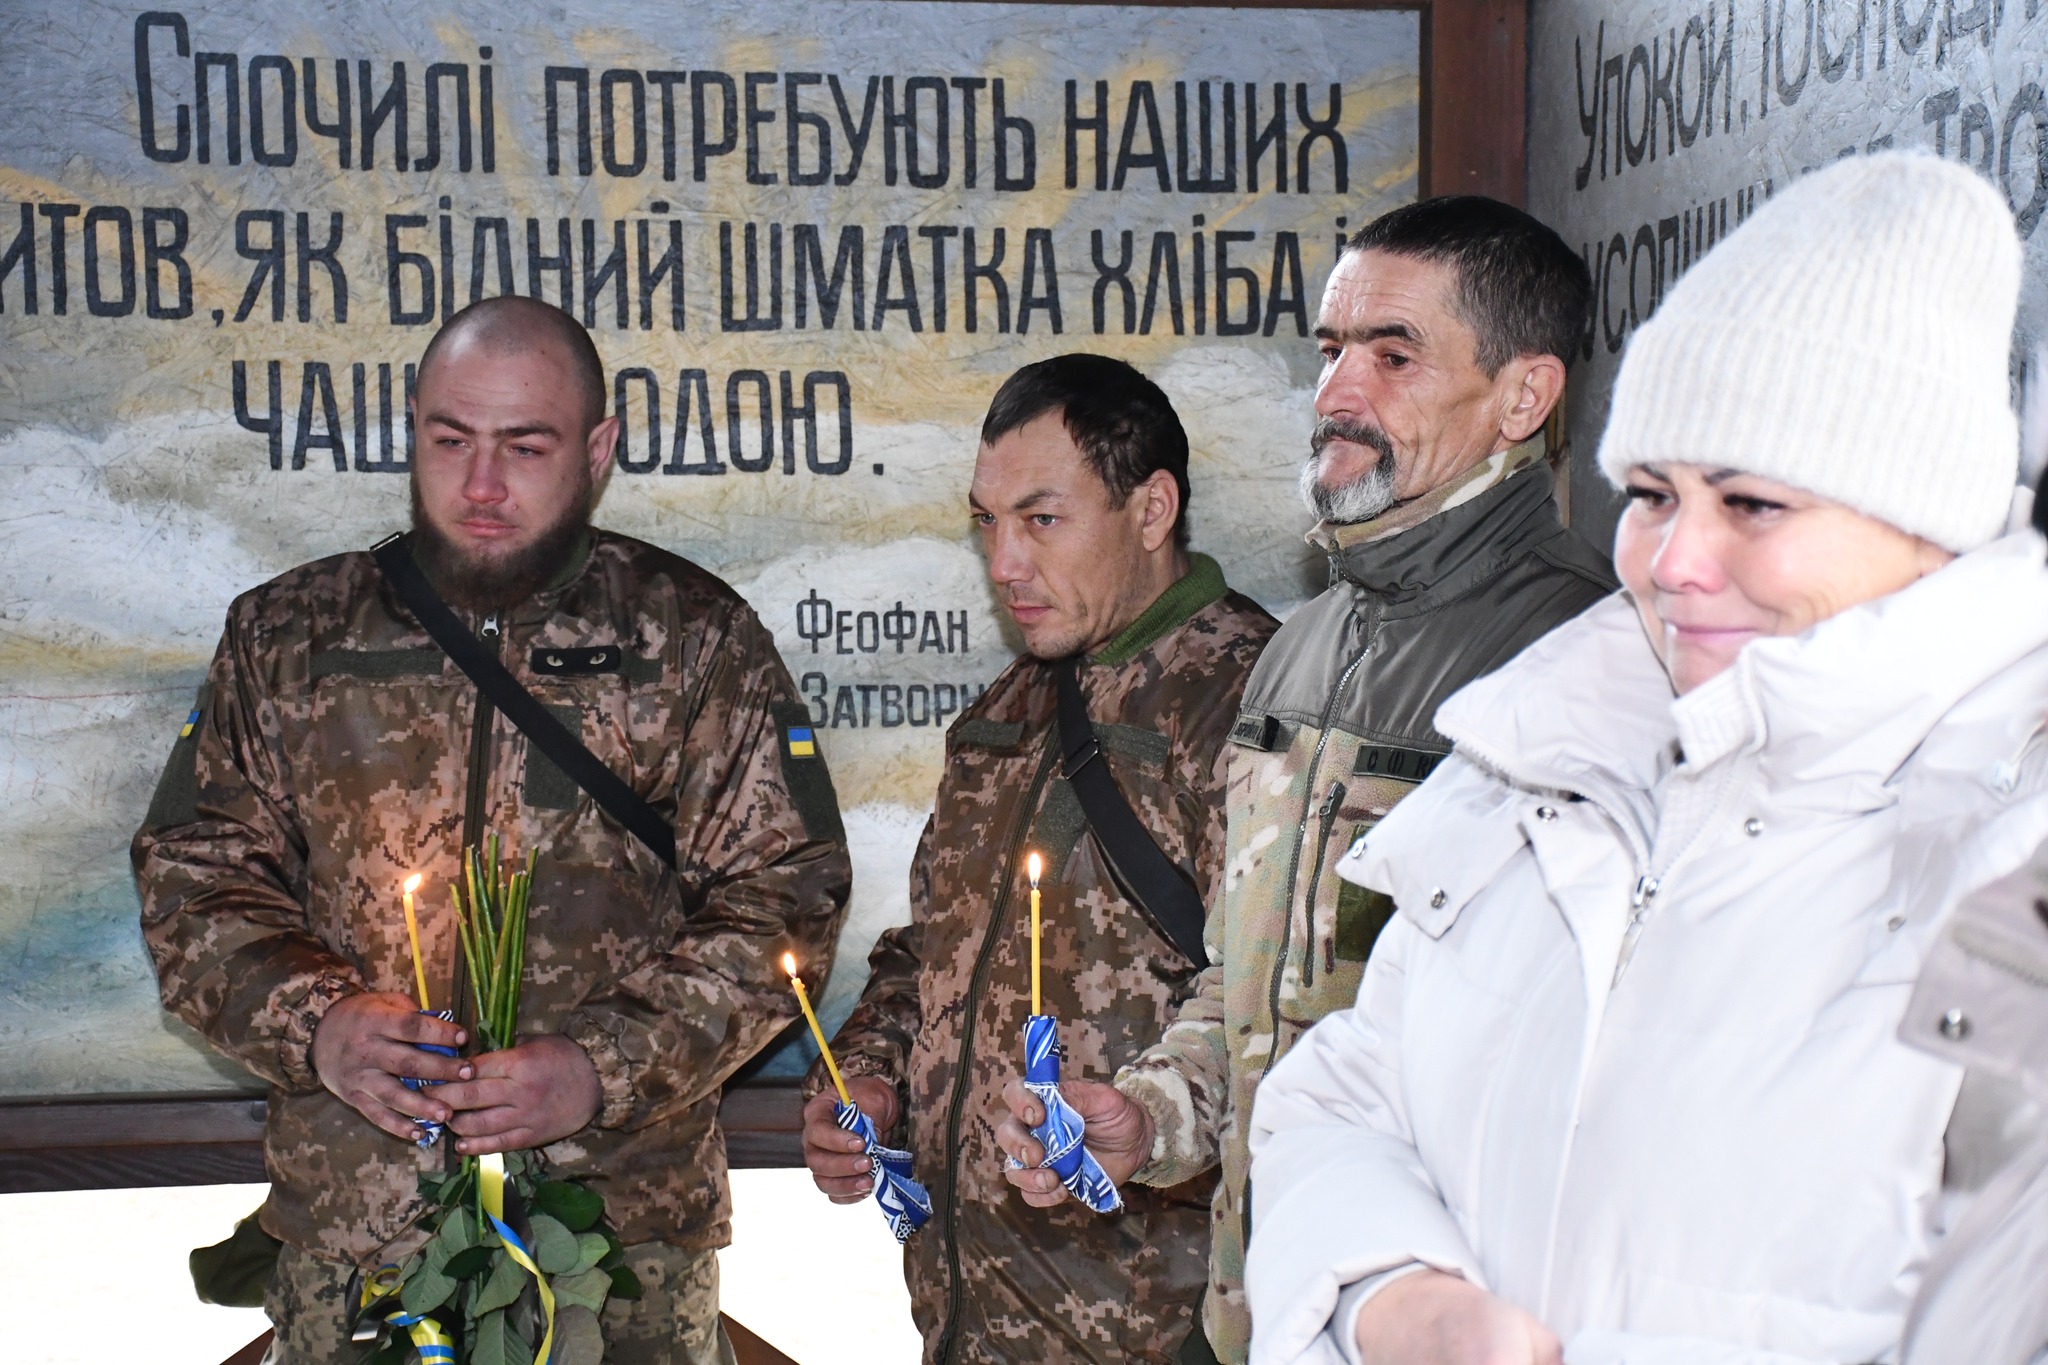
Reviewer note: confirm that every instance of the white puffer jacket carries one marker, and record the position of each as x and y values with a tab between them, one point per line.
1627	1056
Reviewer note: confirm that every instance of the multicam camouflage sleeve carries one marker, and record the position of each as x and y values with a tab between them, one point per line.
1184	1079
876	1038
220	865
762	857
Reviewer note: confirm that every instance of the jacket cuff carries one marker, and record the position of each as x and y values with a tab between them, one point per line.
1175	1155
851	1067
295	1044
614	1072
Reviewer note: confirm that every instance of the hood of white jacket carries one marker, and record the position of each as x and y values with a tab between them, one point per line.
1834	711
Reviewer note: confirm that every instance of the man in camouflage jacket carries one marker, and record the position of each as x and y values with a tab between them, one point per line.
1443	332
334	750
1078	490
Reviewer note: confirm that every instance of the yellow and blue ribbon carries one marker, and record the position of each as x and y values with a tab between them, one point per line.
490	1176
432	1344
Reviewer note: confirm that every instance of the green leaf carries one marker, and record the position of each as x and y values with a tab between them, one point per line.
426	1290
506	1280
497	1344
554	1246
579	1340
625	1284
576	1207
595	1248
455	1188
458	1232
588	1288
469	1262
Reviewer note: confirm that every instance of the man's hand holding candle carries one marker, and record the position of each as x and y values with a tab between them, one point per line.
1119	1136
365	1043
838	1159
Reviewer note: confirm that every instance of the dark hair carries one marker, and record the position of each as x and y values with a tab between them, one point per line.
1122	421
1520	288
510	323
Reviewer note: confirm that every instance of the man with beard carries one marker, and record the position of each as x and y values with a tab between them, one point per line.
1079	495
334	750
1444	332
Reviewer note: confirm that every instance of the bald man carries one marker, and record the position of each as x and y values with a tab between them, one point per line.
334	749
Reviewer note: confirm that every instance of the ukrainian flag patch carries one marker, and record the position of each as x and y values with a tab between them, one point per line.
190	722
800	742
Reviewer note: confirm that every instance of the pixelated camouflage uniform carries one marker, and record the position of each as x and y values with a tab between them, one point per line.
1335	728
991	1278
335	750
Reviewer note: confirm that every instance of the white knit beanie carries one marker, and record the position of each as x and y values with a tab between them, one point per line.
1852	338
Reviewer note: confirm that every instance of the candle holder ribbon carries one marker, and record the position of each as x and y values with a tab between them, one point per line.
1062	1133
430	1131
904	1202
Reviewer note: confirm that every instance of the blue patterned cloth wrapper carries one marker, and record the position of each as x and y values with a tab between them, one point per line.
904	1202
430	1131
1062	1132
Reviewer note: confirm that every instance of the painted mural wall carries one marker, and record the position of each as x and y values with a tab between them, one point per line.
1657	126
810	240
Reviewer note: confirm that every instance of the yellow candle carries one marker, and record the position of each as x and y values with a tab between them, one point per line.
1034	865
412	931
824	1049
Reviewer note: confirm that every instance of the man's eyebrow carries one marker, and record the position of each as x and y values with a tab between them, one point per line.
1398	331
1037	498
502	433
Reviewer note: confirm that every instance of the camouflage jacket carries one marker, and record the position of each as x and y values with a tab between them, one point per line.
991	1278
333	750
1335	728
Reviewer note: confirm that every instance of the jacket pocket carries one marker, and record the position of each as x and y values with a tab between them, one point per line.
546	786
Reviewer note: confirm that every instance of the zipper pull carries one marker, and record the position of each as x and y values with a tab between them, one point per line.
1331	801
490	627
1639	906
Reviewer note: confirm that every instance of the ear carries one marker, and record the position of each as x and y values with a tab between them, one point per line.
1531	386
603	440
1157	501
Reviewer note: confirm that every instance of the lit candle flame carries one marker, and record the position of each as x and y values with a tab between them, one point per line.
412	883
1034	865
817	1032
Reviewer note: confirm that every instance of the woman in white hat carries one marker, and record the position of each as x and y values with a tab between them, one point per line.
1624	1077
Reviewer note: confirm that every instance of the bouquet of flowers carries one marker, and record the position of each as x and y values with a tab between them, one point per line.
518	1265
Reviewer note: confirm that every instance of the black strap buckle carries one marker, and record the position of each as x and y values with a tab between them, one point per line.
1073	760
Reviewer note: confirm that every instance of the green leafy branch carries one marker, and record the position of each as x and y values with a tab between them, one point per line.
464	1278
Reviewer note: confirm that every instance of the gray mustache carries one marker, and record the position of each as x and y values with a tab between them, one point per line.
1330	429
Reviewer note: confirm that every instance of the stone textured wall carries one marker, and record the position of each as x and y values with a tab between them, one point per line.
226	230
1656	126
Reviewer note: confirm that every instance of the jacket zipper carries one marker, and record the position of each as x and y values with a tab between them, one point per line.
961	1072
1315	764
1326	815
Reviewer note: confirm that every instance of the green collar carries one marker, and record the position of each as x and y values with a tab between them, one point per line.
1197	588
579	555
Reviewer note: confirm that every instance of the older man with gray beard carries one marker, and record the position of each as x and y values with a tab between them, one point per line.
1444	333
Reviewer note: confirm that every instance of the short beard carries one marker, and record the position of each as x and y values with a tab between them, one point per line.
1366	496
488	583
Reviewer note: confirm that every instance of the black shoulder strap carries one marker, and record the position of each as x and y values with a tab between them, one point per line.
541	729
1147	875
